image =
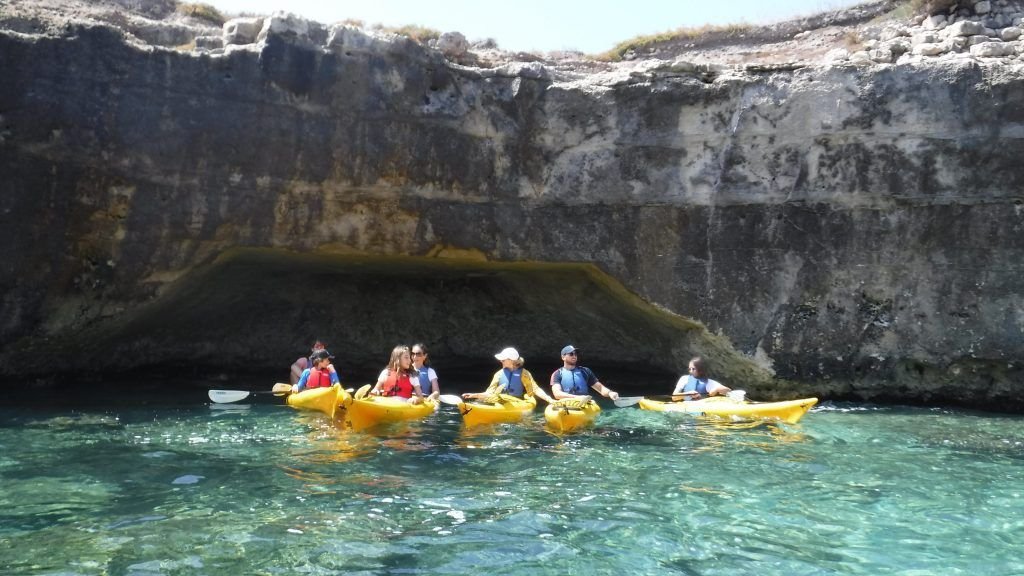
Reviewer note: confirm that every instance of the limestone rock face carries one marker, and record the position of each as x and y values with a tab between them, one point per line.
847	231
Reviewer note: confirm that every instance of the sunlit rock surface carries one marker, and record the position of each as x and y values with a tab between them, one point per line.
839	230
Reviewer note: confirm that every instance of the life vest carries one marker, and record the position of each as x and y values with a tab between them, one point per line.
512	380
398	384
425	380
318	378
570	383
698	385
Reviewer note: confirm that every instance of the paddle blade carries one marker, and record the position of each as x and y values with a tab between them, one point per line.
282	388
450	399
363	391
225	396
628	401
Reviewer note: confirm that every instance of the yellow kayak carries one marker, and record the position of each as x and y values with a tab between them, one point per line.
326	400
790	411
369	411
508	409
569	415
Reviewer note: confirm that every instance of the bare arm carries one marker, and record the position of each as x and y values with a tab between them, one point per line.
719	390
605	391
493	388
380	382
296	371
534	389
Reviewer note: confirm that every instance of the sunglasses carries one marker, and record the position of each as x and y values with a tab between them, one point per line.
418	354
570	354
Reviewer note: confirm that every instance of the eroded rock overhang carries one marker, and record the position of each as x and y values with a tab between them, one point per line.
854	230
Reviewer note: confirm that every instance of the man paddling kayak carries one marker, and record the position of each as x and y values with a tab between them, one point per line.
572	381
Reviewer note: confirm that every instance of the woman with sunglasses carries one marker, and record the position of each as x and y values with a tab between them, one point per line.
696	384
428	378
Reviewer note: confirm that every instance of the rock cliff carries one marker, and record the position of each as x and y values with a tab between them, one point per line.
848	230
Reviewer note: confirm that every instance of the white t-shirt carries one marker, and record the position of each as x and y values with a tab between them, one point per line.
681	384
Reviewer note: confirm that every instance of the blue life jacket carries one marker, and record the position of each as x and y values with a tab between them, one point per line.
699	385
512	380
570	383
425	388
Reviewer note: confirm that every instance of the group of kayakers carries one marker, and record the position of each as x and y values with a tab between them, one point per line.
568	382
409	375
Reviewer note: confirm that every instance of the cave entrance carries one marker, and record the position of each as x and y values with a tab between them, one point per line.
260	309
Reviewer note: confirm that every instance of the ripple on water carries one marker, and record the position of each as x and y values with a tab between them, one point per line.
268	490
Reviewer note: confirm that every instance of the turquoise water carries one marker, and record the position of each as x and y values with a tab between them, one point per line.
263	489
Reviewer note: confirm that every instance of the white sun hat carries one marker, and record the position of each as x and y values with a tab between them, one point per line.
508	354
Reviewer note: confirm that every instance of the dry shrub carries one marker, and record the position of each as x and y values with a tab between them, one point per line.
420	34
851	41
202	11
678	35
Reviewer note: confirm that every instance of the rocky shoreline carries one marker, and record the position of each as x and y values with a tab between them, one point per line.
844	226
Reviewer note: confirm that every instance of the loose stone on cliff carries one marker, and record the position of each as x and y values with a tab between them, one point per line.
242	30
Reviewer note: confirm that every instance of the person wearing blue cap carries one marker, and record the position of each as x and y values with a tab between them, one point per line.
574	381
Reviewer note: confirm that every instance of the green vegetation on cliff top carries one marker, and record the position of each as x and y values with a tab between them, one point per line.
903	9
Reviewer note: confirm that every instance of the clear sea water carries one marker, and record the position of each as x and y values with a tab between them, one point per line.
189	488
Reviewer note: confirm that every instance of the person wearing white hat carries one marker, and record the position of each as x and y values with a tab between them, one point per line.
512	379
573	381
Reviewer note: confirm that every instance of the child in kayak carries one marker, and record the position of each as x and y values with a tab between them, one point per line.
696	384
512	379
303	363
399	378
320	374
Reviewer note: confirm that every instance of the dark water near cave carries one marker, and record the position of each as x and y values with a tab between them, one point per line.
177	486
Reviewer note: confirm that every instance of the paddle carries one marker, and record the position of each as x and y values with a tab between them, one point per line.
736	395
623	402
226	396
451	399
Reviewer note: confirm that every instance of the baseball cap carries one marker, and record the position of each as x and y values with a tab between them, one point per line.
320	354
568	349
